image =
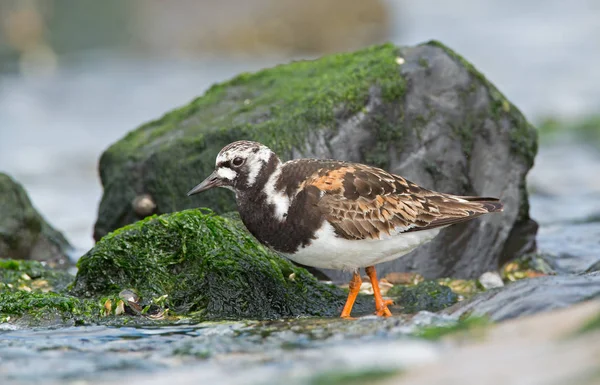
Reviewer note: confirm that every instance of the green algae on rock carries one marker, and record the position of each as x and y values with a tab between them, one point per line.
24	234
34	294
207	266
32	275
442	125
428	295
38	308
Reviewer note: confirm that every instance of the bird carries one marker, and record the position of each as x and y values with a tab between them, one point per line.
335	214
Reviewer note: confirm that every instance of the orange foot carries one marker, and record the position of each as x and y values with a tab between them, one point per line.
382	308
381	305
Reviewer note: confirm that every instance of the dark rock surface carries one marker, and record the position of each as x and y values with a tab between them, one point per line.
530	296
428	296
24	234
422	112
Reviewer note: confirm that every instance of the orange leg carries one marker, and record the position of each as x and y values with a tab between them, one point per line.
354	288
380	304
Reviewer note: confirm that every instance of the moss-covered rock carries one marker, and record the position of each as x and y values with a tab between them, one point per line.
207	266
31	293
428	295
442	125
24	234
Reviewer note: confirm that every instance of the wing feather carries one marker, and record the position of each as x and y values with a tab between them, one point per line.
369	203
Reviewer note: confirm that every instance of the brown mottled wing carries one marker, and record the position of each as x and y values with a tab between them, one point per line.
363	202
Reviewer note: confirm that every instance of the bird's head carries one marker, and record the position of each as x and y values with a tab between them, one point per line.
240	166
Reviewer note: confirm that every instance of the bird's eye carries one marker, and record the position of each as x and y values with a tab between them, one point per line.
238	162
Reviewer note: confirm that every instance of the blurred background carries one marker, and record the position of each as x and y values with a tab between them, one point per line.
77	75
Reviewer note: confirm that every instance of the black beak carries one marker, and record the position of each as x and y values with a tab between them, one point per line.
208	183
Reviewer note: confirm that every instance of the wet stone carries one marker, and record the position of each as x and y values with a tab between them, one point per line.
24	234
530	296
490	280
428	295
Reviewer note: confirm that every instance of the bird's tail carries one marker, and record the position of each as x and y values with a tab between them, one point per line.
492	205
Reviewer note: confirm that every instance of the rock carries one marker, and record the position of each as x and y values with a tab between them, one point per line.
595	267
428	295
422	112
206	266
490	280
24	234
530	296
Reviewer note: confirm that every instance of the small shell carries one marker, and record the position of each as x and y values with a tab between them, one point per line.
143	205
120	308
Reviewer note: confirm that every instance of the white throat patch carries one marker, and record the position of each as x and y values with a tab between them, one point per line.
279	199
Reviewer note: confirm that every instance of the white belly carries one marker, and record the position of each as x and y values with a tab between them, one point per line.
329	251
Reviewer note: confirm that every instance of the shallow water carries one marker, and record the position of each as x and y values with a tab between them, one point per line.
232	352
565	201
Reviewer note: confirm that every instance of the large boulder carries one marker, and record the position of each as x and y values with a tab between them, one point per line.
207	266
422	112
24	234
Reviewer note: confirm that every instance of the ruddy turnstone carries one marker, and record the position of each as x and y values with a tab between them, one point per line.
333	214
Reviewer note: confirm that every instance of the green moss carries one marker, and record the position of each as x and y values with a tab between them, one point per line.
278	106
294	98
367	376
40	307
208	266
523	135
470	326
423	62
428	295
388	132
34	294
464	133
31	275
465	288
